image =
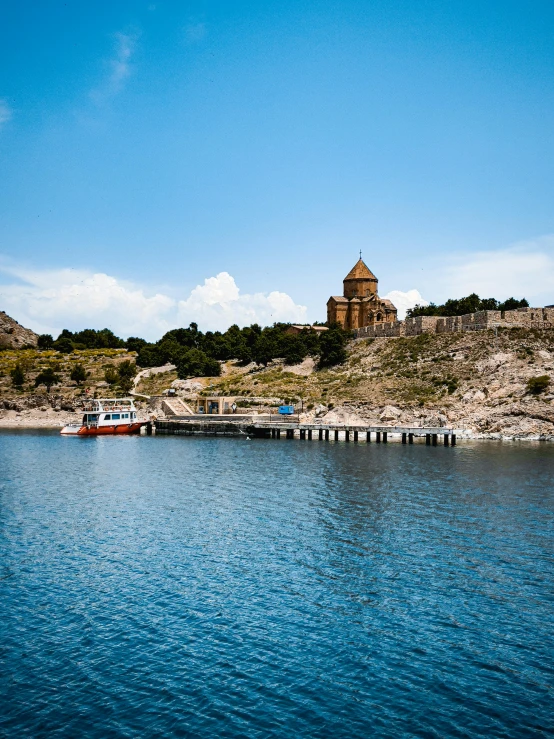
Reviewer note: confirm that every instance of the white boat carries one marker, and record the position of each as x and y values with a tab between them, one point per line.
106	416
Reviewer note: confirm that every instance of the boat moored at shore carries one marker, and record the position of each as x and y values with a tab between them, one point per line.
106	416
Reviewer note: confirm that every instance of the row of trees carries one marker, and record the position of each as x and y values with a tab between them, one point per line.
47	377
89	338
198	354
462	306
122	376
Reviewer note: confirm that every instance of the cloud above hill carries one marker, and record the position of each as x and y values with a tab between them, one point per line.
405	300
49	300
525	269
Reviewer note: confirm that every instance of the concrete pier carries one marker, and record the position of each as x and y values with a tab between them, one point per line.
272	429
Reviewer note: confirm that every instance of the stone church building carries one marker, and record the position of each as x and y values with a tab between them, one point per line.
360	305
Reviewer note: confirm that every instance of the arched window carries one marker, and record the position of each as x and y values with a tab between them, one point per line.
379	317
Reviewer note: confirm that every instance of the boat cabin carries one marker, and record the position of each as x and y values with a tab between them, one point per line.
109	412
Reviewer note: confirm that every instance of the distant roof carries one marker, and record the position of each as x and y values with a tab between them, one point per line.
308	328
338	298
386	301
360	271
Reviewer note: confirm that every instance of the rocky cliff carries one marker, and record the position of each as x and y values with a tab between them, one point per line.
477	381
13	335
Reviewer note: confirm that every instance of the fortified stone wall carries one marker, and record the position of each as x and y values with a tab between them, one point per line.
542	318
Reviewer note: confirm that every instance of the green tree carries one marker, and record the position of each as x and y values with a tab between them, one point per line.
18	376
135	344
537	385
149	356
47	377
126	372
110	375
196	363
293	348
463	306
64	345
333	347
264	350
45	341
78	374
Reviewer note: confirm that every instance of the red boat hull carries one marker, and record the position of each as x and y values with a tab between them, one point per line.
121	428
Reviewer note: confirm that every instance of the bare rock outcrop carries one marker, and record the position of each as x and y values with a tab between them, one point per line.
13	335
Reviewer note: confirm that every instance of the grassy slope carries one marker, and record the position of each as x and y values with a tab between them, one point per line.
421	370
419	375
95	361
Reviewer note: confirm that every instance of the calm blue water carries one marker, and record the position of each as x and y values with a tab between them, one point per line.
176	587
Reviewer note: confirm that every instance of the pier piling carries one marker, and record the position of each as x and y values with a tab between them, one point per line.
261	428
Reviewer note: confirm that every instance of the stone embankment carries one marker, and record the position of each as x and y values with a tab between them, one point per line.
39	410
533	318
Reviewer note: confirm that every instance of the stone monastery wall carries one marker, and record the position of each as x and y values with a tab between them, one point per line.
520	318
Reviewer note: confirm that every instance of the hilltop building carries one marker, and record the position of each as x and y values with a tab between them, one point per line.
360	304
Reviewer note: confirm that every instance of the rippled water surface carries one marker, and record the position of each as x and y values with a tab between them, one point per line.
160	587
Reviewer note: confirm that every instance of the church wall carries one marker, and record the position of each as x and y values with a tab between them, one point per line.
540	318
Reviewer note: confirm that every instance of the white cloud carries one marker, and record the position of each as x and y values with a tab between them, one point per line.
5	112
119	68
525	269
50	300
218	304
406	300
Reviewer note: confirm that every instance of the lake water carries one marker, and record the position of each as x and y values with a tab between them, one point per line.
200	587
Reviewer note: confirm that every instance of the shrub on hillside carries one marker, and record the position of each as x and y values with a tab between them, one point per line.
111	376
47	377
537	385
126	372
18	376
78	374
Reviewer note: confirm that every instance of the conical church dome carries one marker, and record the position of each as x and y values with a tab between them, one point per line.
360	282
360	271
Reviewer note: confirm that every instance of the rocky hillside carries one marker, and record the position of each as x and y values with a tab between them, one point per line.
475	381
13	335
29	404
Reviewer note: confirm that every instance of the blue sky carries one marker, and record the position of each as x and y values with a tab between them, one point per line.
165	161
